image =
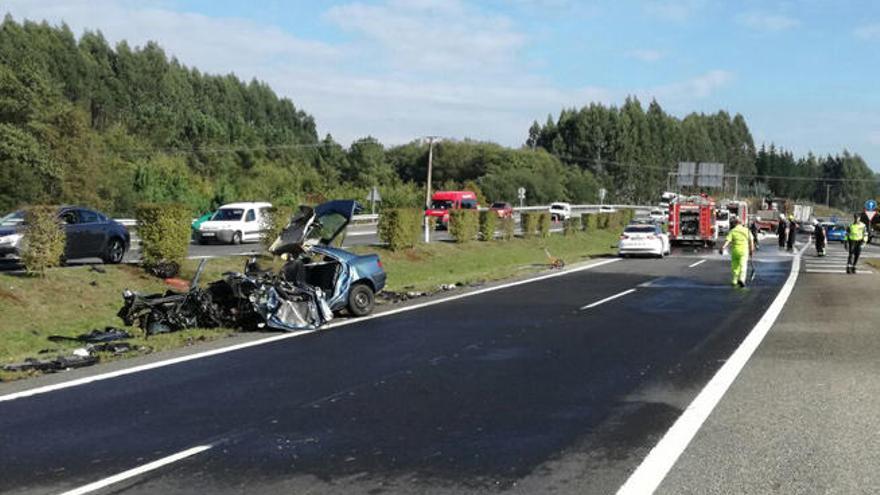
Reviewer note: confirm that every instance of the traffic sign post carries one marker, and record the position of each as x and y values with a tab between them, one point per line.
870	205
521	194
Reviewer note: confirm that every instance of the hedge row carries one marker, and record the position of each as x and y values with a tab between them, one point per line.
164	229
488	220
464	225
44	240
399	228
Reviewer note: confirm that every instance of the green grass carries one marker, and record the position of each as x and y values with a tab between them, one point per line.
425	267
73	300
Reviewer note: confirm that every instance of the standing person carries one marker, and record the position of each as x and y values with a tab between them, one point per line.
855	236
741	247
792	232
780	231
753	229
820	238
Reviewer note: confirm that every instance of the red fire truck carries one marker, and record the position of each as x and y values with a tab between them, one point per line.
692	219
739	209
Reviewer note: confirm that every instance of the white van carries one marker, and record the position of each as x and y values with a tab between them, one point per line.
235	223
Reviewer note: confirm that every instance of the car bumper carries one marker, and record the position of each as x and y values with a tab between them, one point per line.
224	236
647	250
9	251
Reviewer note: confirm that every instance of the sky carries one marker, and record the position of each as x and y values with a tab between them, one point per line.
803	73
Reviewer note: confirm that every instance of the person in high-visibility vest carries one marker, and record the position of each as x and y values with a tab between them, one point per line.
855	236
742	245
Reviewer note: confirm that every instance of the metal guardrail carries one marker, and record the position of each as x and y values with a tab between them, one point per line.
374	218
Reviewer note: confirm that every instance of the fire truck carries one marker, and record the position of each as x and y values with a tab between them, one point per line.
692	219
739	209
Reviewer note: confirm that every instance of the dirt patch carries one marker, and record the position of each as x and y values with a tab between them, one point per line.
413	255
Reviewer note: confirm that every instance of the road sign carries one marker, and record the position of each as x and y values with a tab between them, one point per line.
521	193
373	195
870	205
870	214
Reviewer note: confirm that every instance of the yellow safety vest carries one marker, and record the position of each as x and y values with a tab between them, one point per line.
856	232
739	239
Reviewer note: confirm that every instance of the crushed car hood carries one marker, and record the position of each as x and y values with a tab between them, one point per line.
312	226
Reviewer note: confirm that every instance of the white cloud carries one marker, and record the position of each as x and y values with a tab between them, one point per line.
646	55
868	32
672	10
433	35
414	68
762	21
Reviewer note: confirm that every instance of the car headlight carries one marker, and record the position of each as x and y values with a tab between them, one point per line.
10	240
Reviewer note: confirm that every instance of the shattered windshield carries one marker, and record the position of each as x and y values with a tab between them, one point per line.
12	219
441	204
228	214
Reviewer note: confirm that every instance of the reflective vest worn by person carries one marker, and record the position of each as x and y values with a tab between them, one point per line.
856	232
739	240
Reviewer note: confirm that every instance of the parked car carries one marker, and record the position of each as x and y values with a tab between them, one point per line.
234	223
659	216
643	239
90	234
503	210
442	202
835	231
349	281
560	211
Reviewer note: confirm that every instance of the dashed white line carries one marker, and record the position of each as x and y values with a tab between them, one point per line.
660	460
131	473
611	298
696	264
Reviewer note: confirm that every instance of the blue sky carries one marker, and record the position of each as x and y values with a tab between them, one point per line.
803	73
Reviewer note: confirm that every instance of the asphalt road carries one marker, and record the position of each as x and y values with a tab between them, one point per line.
536	388
802	415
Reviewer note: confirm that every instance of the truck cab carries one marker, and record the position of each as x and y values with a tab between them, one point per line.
442	202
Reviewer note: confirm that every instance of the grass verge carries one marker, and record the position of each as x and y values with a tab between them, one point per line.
73	300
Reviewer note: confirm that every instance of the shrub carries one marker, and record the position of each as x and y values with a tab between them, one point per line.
164	229
44	239
591	221
571	226
463	225
399	227
277	218
604	221
508	227
488	219
543	224
527	222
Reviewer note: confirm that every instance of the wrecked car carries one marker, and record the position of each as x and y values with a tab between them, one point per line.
315	281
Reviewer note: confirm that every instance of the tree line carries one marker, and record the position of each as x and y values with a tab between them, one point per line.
85	122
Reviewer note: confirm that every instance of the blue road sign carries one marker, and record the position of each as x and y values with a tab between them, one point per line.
870	205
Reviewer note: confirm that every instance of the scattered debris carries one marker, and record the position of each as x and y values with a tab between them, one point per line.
60	363
108	334
97	269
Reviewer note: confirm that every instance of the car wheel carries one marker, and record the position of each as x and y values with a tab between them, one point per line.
361	300
115	252
236	238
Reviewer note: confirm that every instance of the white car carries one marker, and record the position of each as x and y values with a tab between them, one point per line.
643	239
658	216
560	211
235	223
607	209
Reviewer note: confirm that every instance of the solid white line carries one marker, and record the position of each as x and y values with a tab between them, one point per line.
131	473
611	298
283	336
842	270
654	468
697	263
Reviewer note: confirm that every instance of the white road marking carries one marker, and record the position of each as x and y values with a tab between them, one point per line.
654	468
182	359
697	263
842	270
131	473
611	298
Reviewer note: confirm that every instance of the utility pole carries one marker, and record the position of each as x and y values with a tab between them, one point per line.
428	185
828	195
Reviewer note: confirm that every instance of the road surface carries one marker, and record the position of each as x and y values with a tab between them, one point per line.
560	385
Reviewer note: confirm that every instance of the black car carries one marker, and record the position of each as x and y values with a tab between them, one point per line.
90	234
